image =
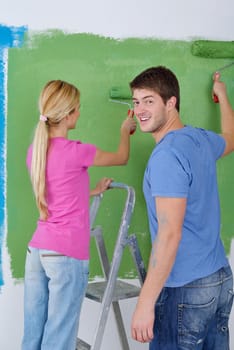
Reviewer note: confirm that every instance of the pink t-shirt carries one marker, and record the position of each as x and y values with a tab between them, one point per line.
67	228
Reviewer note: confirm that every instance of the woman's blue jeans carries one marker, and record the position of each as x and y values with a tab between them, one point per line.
54	290
195	316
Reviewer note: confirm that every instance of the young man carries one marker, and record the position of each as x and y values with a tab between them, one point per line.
187	296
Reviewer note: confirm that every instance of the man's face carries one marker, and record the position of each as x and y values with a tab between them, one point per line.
150	110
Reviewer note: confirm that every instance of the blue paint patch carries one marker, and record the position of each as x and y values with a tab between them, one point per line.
9	37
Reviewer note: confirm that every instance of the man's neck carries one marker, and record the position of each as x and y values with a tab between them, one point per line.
173	123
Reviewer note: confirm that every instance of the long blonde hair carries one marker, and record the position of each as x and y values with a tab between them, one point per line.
57	100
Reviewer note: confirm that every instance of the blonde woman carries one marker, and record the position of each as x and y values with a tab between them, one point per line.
56	271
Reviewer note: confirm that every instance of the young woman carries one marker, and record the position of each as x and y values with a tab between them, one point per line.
56	271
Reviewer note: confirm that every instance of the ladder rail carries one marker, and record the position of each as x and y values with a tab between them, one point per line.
136	254
105	264
118	252
94	208
102	252
107	296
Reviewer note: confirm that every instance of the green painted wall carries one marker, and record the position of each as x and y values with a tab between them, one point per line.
95	64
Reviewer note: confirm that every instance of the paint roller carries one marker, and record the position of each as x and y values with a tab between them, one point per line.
214	49
120	95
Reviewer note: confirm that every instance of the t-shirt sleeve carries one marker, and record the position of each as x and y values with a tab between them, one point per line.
217	143
169	175
85	154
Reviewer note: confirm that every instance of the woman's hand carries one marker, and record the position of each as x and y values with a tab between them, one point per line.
101	186
129	124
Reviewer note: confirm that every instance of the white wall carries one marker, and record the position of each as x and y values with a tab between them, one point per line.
175	19
171	19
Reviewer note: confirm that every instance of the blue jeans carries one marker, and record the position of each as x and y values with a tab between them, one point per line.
54	290
195	316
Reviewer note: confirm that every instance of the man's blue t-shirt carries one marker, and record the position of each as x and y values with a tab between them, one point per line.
183	165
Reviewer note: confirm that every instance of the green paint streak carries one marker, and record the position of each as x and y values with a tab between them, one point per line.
96	64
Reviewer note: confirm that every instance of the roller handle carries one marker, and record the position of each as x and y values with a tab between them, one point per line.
131	115
215	98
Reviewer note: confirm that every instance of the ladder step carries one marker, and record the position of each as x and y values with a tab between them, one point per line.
82	345
123	290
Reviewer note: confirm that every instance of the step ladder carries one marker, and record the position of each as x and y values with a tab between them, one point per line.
110	291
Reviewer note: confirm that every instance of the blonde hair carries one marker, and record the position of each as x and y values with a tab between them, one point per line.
57	100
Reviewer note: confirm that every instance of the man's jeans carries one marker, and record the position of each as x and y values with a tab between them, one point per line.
195	316
54	290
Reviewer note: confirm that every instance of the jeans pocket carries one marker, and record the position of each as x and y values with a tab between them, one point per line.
225	311
52	257
192	322
49	253
55	265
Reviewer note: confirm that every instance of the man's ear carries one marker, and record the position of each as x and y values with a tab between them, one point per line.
171	103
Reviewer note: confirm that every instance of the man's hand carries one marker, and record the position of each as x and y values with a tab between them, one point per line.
142	324
219	88
226	112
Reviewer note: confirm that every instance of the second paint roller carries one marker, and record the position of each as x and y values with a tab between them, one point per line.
122	96
214	49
